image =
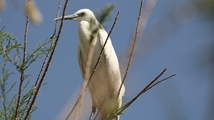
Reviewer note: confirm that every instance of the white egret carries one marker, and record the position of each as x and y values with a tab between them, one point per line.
104	85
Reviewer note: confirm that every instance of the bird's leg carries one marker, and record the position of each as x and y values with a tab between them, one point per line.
92	112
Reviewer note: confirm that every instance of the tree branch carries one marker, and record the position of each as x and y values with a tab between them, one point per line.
22	66
48	63
133	47
46	57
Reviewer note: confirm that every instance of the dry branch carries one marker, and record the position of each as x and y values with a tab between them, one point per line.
46	57
133	47
86	77
22	67
48	63
149	86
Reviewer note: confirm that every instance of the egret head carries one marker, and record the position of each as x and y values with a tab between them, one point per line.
80	15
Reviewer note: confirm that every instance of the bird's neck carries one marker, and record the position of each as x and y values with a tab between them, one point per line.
85	32
94	25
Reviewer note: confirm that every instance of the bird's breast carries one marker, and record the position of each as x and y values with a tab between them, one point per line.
84	32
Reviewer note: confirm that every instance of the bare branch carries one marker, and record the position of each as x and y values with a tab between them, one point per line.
86	78
149	86
48	63
160	81
22	66
46	57
57	15
133	47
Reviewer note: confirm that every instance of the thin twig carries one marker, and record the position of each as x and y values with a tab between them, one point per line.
149	86
133	47
160	81
95	67
52	44
72	110
57	15
86	77
22	66
48	63
2	28
46	57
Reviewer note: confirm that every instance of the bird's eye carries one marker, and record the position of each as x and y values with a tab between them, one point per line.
82	13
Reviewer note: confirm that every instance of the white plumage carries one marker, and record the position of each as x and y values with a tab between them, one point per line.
107	78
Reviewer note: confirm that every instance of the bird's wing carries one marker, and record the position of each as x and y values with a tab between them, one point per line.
112	64
80	61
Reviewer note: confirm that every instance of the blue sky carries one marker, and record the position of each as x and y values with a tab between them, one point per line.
179	49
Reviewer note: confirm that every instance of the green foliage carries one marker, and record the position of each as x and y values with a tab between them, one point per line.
8	44
105	13
39	51
10	55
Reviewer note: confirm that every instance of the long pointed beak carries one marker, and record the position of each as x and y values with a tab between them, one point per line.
68	17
